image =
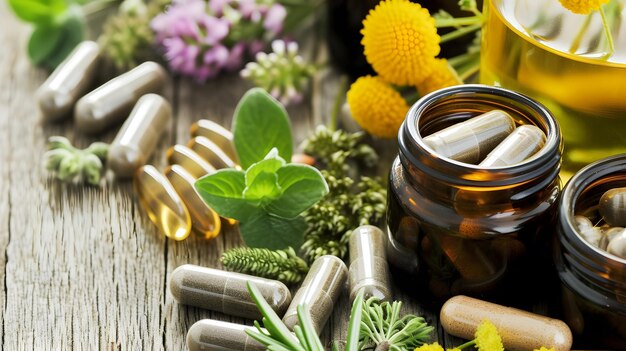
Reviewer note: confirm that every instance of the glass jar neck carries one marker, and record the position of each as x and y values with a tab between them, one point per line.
589	265
445	107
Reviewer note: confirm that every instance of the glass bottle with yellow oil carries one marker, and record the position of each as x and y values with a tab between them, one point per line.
564	61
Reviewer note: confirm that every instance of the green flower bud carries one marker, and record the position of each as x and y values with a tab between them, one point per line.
69	168
53	158
59	142
92	169
99	149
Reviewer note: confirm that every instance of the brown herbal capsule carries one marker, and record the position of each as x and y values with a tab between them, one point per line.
137	138
189	160
219	135
613	207
470	141
211	152
319	291
209	334
520	330
204	220
226	292
368	264
111	102
69	81
524	142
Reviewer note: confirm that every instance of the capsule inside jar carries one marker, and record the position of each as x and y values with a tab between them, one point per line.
520	145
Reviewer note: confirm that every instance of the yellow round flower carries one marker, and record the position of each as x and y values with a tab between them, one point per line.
487	337
376	106
583	7
442	76
543	348
430	347
400	41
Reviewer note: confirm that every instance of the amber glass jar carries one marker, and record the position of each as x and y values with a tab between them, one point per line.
593	281
458	228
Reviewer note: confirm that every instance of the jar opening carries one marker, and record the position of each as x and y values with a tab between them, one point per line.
448	106
582	194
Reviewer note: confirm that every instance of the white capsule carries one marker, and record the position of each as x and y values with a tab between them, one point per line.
111	102
135	142
69	81
587	231
617	245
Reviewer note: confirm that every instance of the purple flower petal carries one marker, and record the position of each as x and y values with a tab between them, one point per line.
275	18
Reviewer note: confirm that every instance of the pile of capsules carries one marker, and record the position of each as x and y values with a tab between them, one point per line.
489	140
227	292
171	200
129	97
611	234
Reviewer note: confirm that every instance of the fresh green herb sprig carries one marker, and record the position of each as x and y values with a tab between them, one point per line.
269	195
383	329
73	165
277	336
332	148
283	265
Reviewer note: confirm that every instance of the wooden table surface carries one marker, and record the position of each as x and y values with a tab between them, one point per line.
83	268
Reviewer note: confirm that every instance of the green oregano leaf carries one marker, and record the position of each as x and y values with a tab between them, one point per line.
223	191
38	11
302	186
260	124
273	232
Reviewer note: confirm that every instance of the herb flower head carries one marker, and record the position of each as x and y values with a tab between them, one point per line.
400	41
583	7
376	106
442	76
430	347
487	337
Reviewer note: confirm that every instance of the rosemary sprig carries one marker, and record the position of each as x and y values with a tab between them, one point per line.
283	265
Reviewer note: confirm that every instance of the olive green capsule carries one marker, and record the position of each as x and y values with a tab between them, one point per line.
613	207
69	81
209	334
523	143
320	291
226	292
189	160
135	142
110	103
472	140
211	152
368	264
219	135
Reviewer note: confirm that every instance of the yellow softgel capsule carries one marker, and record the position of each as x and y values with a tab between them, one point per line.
189	160
221	136
204	220
162	204
211	152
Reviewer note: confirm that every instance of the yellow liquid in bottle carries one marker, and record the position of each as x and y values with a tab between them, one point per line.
204	220
162	204
526	48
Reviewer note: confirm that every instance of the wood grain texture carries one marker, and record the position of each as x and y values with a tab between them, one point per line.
83	268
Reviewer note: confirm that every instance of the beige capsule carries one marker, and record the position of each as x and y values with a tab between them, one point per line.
209	334
368	264
189	160
613	207
470	141
219	135
320	291
110	103
607	235
226	292
522	144
140	133
162	204
204	220
520	330
211	152
69	82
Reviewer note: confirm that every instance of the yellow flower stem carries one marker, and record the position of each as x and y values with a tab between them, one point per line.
460	32
458	61
579	37
607	31
466	74
467	344
341	94
456	22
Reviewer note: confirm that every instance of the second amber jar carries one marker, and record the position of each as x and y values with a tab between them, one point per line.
457	228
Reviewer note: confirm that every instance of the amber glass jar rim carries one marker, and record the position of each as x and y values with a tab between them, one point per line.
572	191
412	146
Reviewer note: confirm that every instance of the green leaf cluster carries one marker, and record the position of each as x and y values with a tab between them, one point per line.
268	196
59	26
283	265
